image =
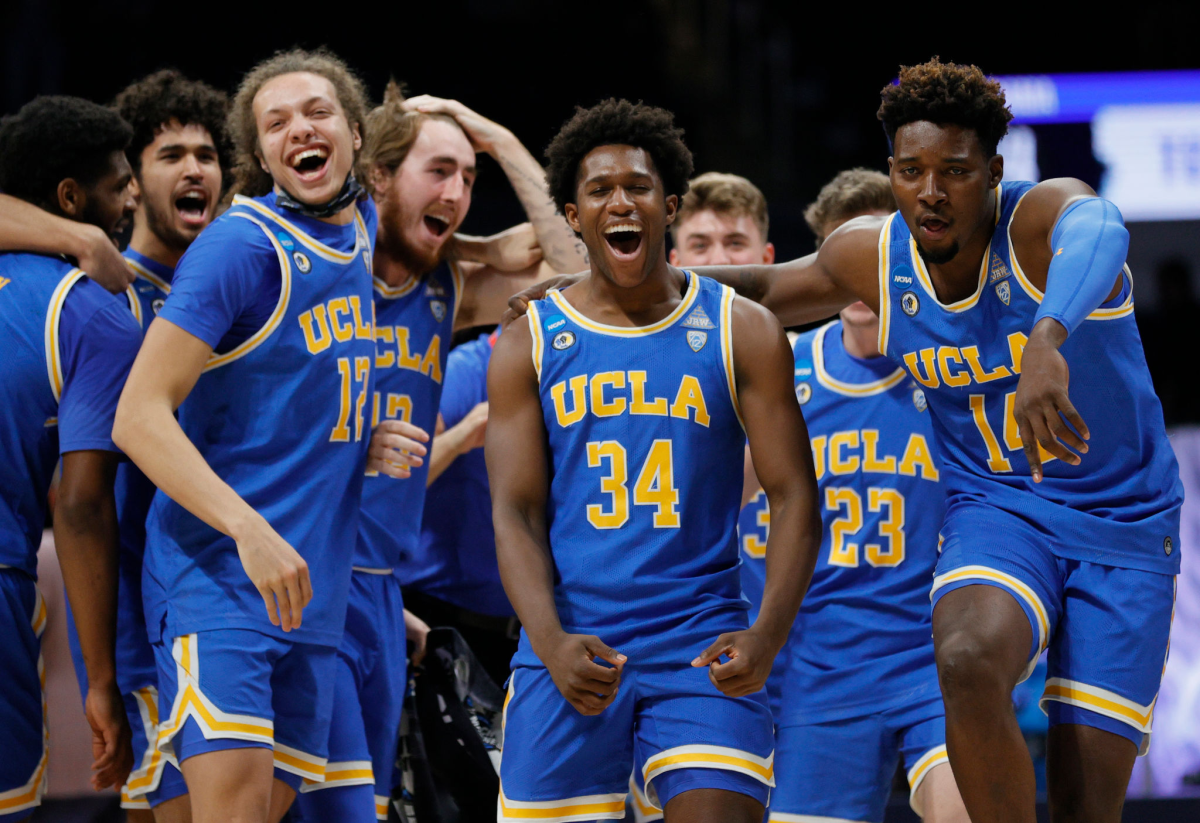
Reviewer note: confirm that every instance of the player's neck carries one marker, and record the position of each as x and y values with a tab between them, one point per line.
958	279
861	341
148	244
604	300
391	269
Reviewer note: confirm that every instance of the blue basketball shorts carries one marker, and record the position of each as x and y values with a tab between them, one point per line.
367	703
667	723
1107	628
239	688
23	732
841	770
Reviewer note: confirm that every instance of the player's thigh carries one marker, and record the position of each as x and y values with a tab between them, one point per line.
22	725
841	770
558	764
230	784
689	737
176	810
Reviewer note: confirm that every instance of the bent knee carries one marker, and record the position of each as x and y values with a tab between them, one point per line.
970	663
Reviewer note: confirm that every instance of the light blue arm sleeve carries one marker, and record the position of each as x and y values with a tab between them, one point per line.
1090	242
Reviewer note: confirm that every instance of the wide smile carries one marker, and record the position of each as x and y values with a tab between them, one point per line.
436	224
310	164
933	228
624	240
191	205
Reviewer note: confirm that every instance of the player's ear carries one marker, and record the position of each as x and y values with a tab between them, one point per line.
357	133
572	214
672	207
70	197
769	254
995	171
378	178
891	162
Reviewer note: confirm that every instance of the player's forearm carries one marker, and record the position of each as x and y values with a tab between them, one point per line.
792	545
527	572
445	449
1090	242
25	227
795	292
563	250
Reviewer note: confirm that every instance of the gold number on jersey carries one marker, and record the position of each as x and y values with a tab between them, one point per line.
397	407
842	552
892	528
360	372
655	485
997	462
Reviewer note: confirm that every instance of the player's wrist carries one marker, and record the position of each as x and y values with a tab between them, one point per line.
1049	331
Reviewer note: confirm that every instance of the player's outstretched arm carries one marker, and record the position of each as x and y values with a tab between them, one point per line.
1079	241
25	227
487	290
87	541
518	473
166	370
782	459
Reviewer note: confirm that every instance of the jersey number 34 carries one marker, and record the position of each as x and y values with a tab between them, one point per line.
655	485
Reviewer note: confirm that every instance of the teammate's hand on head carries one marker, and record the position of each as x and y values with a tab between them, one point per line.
518	304
112	750
482	133
277	570
396	448
1042	407
102	260
749	664
586	685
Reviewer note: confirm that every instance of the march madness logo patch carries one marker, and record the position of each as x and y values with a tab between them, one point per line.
563	340
910	304
697	339
1003	291
698	319
302	262
803	393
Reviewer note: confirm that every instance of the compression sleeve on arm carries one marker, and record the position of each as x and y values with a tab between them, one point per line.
1090	242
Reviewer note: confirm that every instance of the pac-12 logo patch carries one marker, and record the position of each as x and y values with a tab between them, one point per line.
555	321
910	304
1003	291
803	393
697	339
302	262
902	277
563	340
439	310
919	400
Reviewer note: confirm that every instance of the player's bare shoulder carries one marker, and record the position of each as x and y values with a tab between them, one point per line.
850	254
758	336
1034	220
513	357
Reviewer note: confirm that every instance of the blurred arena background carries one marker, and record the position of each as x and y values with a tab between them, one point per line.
782	92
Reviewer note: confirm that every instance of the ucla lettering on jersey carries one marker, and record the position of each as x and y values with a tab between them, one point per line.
284	418
413	327
642	525
1120	506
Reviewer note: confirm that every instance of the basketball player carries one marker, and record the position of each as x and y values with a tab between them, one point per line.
632	383
265	346
67	347
1052	537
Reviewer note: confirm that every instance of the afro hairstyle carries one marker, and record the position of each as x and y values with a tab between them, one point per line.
53	138
166	96
618	122
946	94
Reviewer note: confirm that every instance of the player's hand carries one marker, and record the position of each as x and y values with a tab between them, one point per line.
750	659
518	304
112	750
1042	403
396	448
586	685
473	428
416	630
277	570
100	258
484	134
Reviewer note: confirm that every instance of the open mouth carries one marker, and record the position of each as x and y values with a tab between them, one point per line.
437	224
192	206
934	228
624	239
309	163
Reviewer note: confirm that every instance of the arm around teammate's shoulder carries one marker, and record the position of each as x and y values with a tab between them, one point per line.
779	447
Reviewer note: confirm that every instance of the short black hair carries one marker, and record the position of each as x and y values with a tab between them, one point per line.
157	99
53	138
618	122
946	93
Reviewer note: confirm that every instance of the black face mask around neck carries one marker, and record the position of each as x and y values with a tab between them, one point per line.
350	192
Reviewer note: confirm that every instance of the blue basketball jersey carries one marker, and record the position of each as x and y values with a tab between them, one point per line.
1120	506
65	352
413	327
283	416
642	513
862	641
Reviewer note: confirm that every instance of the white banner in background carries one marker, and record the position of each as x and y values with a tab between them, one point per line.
1152	155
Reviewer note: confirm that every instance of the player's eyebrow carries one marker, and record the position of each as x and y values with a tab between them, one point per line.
603	176
447	160
205	146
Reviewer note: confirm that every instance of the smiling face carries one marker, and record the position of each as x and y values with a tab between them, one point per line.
622	212
428	196
180	182
942	180
712	238
304	140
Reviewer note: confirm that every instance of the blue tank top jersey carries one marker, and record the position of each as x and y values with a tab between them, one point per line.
642	514
1120	506
281	413
413	327
863	639
456	530
64	355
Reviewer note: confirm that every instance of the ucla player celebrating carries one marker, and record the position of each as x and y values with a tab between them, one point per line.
265	345
68	345
617	545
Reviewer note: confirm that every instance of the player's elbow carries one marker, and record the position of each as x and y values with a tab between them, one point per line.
128	421
81	508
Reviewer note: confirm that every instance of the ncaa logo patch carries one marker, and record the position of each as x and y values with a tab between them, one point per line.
1003	291
804	368
919	400
302	262
285	241
697	339
910	304
439	310
902	276
563	340
803	393
555	321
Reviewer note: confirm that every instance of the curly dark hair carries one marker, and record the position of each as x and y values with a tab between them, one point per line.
54	138
946	93
249	177
618	122
165	96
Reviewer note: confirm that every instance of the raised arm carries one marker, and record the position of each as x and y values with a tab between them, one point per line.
518	473
782	459
486	292
25	227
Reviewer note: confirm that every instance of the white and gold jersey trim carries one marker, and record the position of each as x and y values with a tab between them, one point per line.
727	298
345	773
135	306
784	817
52	336
149	770
840	386
707	757
149	276
361	239
689	298
1100	701
539	341
920	770
885	274
643	812
588	807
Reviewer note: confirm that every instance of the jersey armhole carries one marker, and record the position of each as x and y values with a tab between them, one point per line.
885	297
53	337
539	344
285	294
727	297
135	306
